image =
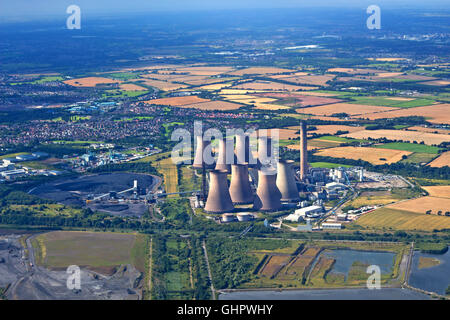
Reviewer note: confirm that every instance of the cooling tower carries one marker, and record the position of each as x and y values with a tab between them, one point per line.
243	150
264	148
240	189
222	163
199	153
286	181
303	151
219	200
267	195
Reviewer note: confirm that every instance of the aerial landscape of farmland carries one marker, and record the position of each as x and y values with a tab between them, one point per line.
281	154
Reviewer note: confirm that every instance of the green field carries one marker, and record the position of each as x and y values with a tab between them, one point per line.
99	251
386	102
339	139
122	76
122	94
48	79
328	165
49	210
419	158
412	147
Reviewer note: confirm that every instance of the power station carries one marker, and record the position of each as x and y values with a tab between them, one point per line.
263	187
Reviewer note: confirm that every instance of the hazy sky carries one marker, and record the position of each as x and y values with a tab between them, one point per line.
42	8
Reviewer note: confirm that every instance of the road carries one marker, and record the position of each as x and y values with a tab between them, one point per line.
150	269
213	291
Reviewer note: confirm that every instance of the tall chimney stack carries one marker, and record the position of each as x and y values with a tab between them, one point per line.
221	163
286	181
303	151
240	189
267	194
219	200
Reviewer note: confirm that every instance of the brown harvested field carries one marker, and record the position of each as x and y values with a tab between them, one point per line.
213	105
399	98
349	108
253	101
375	156
427	138
439	83
333	129
274	265
316	93
206	81
438	191
162	85
299	100
442	161
283	134
268	85
216	86
259	70
423	204
356	70
290	75
162	77
205	71
177	101
267	106
320	144
438	113
90	81
131	87
318	80
325	118
429	130
297	147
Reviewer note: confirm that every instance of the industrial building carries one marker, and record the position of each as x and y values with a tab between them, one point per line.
331	226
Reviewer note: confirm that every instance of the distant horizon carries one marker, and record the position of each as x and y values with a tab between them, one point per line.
23	10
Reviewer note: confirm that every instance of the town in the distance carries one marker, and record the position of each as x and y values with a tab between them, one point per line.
321	169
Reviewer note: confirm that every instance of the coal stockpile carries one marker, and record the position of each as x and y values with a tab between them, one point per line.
75	191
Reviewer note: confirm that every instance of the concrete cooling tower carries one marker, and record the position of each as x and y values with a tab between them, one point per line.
199	153
243	150
240	189
266	154
267	194
222	163
219	200
286	181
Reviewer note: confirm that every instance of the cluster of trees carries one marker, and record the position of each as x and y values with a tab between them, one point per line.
176	210
177	259
230	263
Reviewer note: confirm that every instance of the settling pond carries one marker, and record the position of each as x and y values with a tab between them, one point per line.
435	279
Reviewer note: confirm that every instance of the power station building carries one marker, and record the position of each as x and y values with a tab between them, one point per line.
275	184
